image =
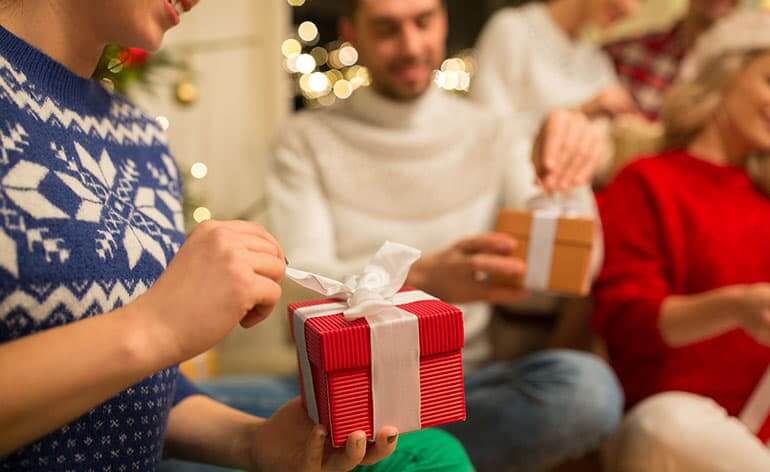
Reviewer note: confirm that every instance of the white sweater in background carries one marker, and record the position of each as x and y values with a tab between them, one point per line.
527	66
426	173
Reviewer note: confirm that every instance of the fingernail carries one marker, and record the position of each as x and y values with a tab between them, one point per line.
360	443
392	438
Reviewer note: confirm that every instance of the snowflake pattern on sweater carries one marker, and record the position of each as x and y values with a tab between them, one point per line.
90	216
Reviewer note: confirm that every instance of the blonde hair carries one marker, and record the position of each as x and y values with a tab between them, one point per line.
690	104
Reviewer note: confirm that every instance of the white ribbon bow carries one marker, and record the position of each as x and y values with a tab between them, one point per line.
373	288
395	340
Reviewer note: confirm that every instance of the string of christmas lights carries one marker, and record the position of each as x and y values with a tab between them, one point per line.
325	74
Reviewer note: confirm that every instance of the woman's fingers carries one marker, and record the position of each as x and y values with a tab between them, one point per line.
254	230
261	245
384	446
347	458
352	455
265	264
580	156
598	147
265	295
552	141
314	450
255	316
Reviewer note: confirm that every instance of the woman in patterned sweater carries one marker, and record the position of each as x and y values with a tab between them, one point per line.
100	295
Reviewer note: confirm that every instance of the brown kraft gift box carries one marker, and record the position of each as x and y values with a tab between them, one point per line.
571	256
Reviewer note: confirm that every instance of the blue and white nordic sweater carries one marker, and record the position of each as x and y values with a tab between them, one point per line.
90	215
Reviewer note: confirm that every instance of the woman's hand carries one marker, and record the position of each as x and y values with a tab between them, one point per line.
290	442
225	273
612	101
753	310
567	151
686	319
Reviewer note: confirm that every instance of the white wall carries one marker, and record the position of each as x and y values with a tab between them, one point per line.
233	47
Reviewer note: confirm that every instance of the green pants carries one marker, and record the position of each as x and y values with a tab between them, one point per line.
430	450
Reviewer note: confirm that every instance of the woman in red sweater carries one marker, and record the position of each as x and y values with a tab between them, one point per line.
684	298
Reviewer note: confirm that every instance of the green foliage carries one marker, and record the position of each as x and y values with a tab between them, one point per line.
127	67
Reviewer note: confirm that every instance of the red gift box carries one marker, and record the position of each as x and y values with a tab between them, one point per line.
339	353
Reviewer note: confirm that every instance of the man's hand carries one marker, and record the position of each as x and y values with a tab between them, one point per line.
464	272
567	150
290	442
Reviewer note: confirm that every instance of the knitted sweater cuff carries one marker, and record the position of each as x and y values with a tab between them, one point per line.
184	389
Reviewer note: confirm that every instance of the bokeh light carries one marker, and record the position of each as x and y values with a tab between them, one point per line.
199	170
201	214
343	89
305	63
307	31
320	55
291	47
348	55
318	83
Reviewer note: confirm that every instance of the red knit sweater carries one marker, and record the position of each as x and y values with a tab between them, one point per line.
678	225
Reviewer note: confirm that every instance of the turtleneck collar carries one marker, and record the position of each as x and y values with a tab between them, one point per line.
370	106
50	77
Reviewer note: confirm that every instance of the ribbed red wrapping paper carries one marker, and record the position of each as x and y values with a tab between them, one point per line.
340	359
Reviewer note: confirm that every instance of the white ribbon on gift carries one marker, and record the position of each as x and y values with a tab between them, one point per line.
546	211
757	408
394	333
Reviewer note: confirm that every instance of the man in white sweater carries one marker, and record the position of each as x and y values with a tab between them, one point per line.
406	162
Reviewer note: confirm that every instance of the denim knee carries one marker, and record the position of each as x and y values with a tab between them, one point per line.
536	412
591	399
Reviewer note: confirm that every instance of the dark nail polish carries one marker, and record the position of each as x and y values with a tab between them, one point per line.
392	438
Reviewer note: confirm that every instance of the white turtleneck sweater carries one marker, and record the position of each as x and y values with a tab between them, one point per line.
426	173
528	66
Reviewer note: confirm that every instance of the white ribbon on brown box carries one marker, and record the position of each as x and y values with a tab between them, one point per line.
546	211
394	333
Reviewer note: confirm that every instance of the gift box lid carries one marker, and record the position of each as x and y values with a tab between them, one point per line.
570	230
334	343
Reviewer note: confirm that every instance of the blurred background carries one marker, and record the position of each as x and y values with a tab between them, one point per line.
227	80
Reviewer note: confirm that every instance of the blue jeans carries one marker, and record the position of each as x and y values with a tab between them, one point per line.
536	412
524	415
259	396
